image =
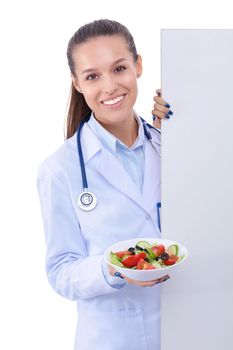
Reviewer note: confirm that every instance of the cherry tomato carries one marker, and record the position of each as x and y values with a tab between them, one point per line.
132	260
143	265
158	249
122	253
171	260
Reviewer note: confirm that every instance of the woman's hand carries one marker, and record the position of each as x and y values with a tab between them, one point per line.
139	283
161	109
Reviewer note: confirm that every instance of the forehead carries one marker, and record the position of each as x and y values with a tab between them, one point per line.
101	51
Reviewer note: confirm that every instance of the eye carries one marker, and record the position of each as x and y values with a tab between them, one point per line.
121	69
91	75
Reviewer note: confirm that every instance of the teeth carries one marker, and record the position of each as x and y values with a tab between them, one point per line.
112	102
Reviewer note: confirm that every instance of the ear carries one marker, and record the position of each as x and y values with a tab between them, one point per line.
75	83
139	66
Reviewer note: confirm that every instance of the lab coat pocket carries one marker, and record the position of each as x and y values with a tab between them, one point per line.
110	330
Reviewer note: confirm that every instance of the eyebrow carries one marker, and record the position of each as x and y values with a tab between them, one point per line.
91	69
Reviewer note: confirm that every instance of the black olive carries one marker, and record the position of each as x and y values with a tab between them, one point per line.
138	248
132	250
147	260
164	256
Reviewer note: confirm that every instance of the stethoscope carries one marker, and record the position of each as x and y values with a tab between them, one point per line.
87	200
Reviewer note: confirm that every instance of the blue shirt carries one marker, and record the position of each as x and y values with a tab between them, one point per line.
132	158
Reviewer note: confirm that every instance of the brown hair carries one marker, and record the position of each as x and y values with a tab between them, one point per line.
78	108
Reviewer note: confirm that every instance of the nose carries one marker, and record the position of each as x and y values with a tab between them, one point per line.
109	85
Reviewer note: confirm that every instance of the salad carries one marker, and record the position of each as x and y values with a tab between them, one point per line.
146	256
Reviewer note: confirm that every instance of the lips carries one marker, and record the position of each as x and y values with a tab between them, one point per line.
116	105
113	98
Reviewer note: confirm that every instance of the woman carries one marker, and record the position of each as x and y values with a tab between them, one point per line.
123	171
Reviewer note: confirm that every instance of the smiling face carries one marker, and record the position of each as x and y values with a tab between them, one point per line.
106	74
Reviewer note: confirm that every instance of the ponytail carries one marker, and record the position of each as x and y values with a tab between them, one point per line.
78	110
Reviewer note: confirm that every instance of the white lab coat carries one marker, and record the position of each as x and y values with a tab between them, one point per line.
112	314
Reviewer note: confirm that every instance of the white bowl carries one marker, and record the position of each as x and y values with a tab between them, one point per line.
144	275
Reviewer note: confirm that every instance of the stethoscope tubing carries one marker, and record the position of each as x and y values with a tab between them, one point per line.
80	153
87	201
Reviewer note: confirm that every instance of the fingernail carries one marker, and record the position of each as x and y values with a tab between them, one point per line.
165	279
167	116
170	112
118	274
167	105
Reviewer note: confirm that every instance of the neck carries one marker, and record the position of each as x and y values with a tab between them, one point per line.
126	131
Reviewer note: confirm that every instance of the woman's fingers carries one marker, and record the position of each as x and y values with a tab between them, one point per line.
157	123
139	283
146	283
159	92
161	109
159	280
162	106
163	279
158	112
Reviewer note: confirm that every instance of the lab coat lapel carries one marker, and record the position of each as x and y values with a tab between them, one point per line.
90	143
114	173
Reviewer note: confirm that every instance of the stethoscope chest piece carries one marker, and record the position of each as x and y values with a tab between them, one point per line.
87	201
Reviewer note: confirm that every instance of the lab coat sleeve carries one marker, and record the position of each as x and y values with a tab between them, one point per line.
70	271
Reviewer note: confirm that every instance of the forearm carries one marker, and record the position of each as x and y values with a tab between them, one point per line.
83	279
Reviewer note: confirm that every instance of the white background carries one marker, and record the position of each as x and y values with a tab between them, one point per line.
34	87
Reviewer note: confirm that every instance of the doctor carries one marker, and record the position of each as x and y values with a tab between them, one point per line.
122	170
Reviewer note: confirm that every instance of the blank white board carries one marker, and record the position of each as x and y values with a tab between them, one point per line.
197	187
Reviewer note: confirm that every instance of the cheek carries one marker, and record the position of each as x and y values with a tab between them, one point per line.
129	81
90	95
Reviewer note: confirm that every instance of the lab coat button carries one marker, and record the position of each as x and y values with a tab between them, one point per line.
148	217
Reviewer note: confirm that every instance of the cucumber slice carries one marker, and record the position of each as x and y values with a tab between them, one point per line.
137	251
156	264
160	261
180	258
150	254
173	249
149	258
143	244
115	260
